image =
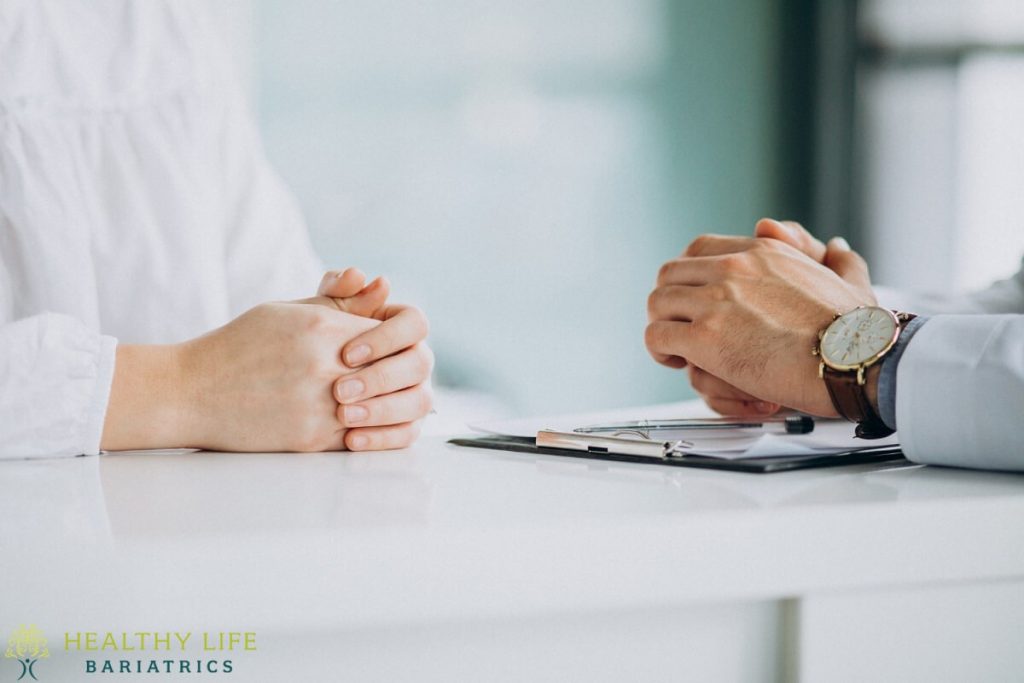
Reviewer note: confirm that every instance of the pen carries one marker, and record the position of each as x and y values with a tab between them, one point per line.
604	445
795	424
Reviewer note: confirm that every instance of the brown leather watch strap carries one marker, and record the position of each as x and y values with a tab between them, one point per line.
851	402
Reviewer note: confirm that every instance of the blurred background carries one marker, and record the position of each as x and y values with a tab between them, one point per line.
520	170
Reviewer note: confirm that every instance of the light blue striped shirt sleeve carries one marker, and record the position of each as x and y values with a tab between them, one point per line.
887	376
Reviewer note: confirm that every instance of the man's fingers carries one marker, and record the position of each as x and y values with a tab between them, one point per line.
382	438
403	327
716	245
694	271
668	338
388	375
725	398
736	408
674	362
676	302
402	406
707	384
836	255
793	234
341	283
847	263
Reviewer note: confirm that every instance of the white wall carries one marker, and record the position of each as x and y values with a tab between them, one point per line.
944	144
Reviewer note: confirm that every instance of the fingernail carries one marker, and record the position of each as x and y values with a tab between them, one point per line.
359	441
357	354
338	274
350	389
839	243
762	406
355	414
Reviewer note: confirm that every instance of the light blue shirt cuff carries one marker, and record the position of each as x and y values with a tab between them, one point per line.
887	376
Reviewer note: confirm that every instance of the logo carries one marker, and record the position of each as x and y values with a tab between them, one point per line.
28	645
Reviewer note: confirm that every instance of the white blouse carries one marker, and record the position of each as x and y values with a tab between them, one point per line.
136	204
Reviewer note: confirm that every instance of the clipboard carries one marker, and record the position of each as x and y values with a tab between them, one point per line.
603	448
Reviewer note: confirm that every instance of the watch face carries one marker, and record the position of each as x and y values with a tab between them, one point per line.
858	337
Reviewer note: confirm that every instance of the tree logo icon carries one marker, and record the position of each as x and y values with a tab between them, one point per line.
28	645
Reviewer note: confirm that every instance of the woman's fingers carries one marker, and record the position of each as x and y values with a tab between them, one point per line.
399	407
369	301
402	327
341	283
386	376
382	438
350	293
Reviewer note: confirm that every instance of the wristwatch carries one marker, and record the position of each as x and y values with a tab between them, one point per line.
847	348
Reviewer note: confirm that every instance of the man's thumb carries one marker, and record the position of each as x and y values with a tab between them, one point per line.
846	263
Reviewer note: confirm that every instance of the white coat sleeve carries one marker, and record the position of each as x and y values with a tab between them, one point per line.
55	378
960	392
1004	296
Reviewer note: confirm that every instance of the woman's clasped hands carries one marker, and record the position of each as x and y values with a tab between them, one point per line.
344	369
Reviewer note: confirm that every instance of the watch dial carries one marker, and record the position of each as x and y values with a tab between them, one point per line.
858	336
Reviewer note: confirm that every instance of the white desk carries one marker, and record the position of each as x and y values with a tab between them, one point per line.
449	564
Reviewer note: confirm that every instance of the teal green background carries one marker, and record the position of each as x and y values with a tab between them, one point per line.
520	171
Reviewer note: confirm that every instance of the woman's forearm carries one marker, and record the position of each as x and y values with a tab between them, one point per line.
148	405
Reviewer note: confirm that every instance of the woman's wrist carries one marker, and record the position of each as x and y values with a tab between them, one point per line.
149	406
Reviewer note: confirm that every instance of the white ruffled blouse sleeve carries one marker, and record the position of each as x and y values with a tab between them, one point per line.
55	378
268	255
136	203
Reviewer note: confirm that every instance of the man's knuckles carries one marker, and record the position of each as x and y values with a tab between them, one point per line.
662	336
700	245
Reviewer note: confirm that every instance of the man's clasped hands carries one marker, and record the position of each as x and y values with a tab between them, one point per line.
743	314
